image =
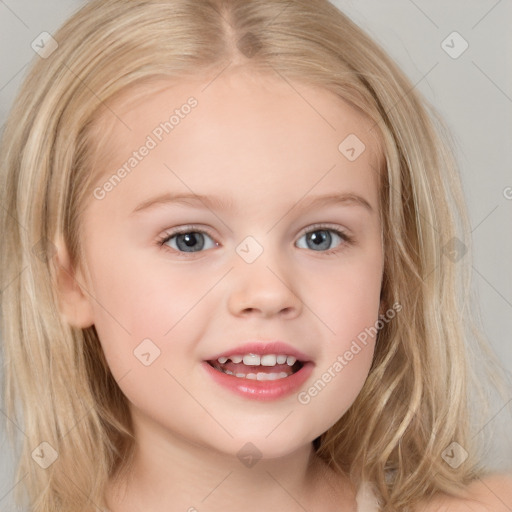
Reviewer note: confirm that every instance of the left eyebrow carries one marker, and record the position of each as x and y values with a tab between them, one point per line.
343	199
217	203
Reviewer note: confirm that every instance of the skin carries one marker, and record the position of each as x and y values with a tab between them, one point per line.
256	141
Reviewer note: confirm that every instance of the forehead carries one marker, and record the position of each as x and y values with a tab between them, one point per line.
239	115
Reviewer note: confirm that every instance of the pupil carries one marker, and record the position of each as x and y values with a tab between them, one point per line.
189	239
323	240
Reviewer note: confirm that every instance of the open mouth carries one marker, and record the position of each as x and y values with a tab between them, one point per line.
269	376
267	371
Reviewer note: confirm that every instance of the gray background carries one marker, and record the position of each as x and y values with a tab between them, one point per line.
473	92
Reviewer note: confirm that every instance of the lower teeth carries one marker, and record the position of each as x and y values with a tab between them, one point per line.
258	376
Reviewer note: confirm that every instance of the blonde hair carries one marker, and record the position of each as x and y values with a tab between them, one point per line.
58	388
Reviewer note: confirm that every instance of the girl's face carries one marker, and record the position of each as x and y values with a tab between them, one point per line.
265	258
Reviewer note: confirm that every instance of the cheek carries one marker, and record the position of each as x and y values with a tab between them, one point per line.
338	380
134	303
349	311
350	300
147	323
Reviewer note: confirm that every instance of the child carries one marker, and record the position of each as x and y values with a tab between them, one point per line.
311	354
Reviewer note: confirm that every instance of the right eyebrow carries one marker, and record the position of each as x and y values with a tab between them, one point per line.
211	202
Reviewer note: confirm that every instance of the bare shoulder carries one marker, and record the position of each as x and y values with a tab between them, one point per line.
492	493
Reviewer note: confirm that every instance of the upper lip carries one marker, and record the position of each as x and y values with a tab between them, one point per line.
260	348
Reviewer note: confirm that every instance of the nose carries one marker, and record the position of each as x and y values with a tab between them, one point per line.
265	289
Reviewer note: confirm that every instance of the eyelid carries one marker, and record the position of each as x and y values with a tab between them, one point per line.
196	228
342	232
171	233
186	229
323	225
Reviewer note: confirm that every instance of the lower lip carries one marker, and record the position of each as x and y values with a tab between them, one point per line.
264	389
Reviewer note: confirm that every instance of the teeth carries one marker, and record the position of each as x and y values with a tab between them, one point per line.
257	376
256	360
290	360
252	360
268	360
263	376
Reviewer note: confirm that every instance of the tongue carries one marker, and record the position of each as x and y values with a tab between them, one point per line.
243	368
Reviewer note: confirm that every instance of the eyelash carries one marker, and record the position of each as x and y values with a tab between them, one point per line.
347	239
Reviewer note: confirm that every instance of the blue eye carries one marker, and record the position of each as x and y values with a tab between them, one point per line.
192	240
320	238
187	241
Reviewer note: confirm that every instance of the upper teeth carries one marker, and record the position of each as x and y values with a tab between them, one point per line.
256	360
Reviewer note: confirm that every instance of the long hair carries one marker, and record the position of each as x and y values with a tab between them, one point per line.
418	398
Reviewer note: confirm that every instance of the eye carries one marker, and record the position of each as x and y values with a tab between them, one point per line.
320	238
187	240
191	239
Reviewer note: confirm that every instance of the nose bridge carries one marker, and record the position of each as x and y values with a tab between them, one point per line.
262	281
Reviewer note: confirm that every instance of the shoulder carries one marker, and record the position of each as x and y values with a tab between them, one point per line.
492	493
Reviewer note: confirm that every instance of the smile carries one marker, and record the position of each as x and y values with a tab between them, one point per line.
265	377
258	367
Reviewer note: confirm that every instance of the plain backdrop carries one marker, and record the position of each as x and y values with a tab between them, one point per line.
473	92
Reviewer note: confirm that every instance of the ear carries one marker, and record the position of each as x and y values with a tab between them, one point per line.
74	301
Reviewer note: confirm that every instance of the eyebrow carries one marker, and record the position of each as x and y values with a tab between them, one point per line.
220	204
